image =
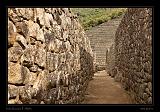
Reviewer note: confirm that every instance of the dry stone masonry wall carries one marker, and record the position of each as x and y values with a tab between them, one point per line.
50	60
133	54
110	60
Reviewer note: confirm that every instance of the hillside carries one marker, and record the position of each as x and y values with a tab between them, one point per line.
90	17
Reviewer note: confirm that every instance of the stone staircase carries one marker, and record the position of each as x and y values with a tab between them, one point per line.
102	37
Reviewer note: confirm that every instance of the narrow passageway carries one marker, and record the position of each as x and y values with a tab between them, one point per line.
104	90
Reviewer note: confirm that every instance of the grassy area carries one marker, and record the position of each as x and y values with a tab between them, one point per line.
90	17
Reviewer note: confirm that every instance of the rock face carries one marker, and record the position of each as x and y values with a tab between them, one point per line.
50	60
132	54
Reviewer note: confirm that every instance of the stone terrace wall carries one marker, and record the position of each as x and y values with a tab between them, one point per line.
133	54
50	60
102	37
110	60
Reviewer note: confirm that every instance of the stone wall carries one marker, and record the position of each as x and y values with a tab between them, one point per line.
110	60
133	54
101	38
50	60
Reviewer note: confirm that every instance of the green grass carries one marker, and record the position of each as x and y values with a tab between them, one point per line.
90	17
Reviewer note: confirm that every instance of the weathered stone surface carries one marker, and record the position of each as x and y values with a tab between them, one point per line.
52	61
62	58
148	91
28	56
22	28
150	86
67	46
33	28
33	68
47	66
11	28
33	101
51	46
31	40
53	76
25	12
57	18
41	81
13	101
40	57
11	33
13	91
57	43
15	73
26	93
30	77
40	35
40	15
149	101
14	53
13	16
132	54
57	32
21	40
48	19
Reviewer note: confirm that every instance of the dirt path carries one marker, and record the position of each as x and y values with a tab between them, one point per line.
104	90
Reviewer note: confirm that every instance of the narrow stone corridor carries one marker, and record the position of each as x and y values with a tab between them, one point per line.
104	90
51	58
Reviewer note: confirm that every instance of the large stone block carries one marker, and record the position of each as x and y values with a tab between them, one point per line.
51	45
41	81
22	28
33	28
14	53
28	57
15	73
22	41
25	94
26	13
11	28
149	84
67	46
40	35
48	19
14	101
40	57
149	101
13	15
13	91
30	77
